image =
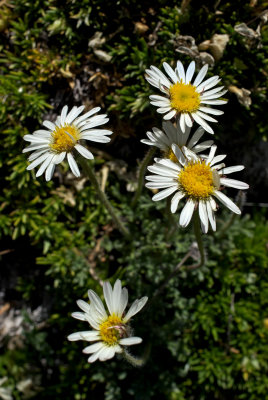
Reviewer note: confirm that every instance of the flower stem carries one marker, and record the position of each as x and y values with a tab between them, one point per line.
90	173
142	169
199	240
135	361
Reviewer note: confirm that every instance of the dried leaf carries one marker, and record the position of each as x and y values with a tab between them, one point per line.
243	95
218	44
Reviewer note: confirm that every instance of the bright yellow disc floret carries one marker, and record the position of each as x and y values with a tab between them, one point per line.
196	180
184	97
64	138
110	329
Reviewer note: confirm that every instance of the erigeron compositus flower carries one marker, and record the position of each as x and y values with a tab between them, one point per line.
190	101
174	135
63	137
198	180
111	330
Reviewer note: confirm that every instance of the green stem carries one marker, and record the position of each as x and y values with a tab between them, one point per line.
197	232
90	173
142	169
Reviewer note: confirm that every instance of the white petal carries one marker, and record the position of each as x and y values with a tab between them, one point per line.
93	348
217	159
135	308
207	84
79	335
201	122
190	72
165	193
49	171
90	336
42	133
196	137
84	306
36	139
36	146
123	302
187	213
98	139
170	114
230	170
175	201
180	71
73	114
227	202
205	116
200	76
117	296
73	165
108	295
159	185
36	154
97	303
107	353
170	72
179	154
63	115
49	125
84	152
203	215
38	161
211	216
79	315
130	341
94	357
182	122
168	163
211	154
86	115
190	155
44	165
209	110
58	158
188	120
214	102
234	183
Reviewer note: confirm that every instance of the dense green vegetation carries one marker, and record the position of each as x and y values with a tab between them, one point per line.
206	335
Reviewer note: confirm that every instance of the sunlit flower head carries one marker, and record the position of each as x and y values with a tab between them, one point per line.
197	180
190	101
163	139
111	330
62	138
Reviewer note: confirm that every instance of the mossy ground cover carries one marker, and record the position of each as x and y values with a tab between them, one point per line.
206	335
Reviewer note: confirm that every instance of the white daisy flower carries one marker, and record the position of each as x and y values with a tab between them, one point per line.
111	330
51	145
164	139
198	180
190	101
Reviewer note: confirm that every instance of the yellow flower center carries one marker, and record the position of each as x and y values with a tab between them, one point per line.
196	180
183	97
112	330
64	138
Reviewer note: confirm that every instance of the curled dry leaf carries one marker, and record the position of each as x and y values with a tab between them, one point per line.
243	95
140	28
218	44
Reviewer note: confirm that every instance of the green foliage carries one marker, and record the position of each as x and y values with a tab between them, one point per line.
206	335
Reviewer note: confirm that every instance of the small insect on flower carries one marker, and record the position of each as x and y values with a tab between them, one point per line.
189	101
163	139
110	331
63	137
197	179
